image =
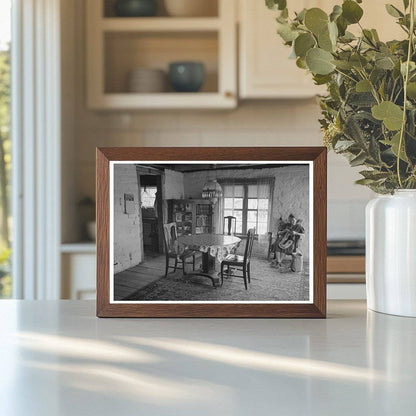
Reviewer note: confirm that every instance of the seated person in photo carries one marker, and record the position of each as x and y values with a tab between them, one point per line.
281	226
298	231
287	240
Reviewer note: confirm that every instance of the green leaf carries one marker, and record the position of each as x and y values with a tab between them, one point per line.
363	86
406	4
342	25
374	150
303	43
393	11
411	90
301	63
276	4
361	99
316	20
351	11
343	65
325	42
358	61
375	35
319	61
412	67
321	79
364	181
374	175
348	37
336	12
368	36
391	114
333	32
394	145
286	32
385	63
343	145
300	17
358	160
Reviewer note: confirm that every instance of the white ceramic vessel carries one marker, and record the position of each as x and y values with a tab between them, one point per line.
391	253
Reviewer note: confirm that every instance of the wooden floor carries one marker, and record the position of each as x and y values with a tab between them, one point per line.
135	278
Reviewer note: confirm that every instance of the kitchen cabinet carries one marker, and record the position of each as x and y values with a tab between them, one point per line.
78	263
265	70
116	46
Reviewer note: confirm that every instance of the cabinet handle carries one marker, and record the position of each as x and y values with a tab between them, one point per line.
228	94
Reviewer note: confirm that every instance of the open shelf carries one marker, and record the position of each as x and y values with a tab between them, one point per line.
116	46
108	9
79	247
160	24
127	51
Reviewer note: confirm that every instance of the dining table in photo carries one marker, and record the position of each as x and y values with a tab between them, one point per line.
212	247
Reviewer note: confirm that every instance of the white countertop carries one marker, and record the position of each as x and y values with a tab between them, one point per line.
57	359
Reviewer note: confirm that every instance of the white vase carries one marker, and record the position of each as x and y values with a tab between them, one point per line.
391	253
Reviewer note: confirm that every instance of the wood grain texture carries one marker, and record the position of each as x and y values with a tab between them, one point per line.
317	309
346	264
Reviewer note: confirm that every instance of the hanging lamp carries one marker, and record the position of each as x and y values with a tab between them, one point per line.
212	190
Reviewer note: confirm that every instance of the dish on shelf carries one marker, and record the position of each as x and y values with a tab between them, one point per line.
186	76
191	8
135	8
147	80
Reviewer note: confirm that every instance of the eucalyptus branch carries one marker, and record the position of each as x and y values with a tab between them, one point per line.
406	80
346	75
373	89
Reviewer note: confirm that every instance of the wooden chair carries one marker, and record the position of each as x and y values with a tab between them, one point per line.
240	263
271	248
170	234
230	224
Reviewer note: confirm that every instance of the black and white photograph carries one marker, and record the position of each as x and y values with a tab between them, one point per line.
211	232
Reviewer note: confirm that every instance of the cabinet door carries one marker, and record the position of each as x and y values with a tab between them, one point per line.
265	68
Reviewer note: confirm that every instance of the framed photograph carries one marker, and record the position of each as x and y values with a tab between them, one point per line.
211	232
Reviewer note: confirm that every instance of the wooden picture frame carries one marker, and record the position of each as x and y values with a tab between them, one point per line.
314	308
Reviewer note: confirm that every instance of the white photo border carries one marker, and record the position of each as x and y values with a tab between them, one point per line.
218	162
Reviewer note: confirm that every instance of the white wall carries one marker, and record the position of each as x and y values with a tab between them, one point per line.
173	185
127	227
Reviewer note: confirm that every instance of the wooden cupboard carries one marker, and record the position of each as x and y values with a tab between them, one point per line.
192	216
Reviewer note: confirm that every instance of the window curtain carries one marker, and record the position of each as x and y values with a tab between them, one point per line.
219	216
36	144
262	190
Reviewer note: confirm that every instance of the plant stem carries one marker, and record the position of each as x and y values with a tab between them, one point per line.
346	75
406	80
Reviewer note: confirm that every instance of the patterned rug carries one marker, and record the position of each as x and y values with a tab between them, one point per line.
267	284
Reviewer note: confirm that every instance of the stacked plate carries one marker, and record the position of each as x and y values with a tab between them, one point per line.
147	80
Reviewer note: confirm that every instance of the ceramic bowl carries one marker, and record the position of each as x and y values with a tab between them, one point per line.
147	80
186	76
135	8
